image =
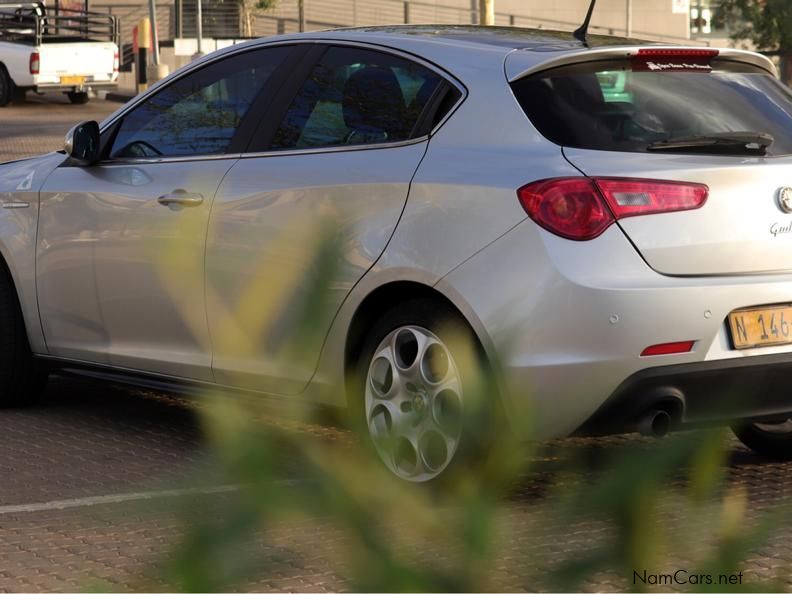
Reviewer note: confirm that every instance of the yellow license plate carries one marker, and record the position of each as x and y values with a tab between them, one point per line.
72	80
765	326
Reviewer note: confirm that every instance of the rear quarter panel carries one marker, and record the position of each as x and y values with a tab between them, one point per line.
462	198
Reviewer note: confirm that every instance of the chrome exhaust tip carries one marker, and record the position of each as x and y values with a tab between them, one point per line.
655	423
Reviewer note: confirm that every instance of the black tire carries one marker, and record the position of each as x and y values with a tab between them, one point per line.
6	87
19	95
768	444
78	97
482	415
21	380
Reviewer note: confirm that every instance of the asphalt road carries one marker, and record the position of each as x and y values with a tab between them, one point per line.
76	471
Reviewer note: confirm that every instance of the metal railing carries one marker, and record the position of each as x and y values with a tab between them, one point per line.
321	14
130	14
225	19
220	19
29	22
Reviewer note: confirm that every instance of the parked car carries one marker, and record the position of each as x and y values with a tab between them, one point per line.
621	260
54	49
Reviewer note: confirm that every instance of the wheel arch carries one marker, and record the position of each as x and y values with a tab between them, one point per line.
390	294
7	273
21	277
5	72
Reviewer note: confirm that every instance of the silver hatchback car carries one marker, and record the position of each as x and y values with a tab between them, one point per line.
609	221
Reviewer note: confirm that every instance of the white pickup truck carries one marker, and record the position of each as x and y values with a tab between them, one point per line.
45	49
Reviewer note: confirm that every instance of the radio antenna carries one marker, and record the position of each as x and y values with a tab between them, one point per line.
582	31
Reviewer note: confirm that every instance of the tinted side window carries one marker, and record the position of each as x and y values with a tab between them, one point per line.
198	114
356	96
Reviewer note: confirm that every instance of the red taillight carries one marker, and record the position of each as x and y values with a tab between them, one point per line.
631	197
115	62
677	52
582	208
34	63
570	207
668	348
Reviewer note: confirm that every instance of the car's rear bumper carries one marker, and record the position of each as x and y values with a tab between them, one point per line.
87	85
699	393
567	322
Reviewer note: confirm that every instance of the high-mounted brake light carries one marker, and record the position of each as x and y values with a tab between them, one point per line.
581	208
680	52
664	59
34	63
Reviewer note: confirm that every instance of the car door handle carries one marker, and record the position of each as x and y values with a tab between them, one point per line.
182	198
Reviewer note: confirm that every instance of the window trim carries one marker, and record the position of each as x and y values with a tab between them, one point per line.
178	75
433	104
267	123
259	104
269	97
285	99
335	149
113	120
175	159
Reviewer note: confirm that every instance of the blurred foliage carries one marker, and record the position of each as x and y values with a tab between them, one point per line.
265	4
247	15
652	507
767	23
246	8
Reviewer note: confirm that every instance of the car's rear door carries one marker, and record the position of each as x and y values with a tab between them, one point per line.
120	254
335	161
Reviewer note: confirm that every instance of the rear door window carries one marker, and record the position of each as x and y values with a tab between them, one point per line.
356	96
619	105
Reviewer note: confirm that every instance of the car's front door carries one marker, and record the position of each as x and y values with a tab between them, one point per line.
336	161
120	254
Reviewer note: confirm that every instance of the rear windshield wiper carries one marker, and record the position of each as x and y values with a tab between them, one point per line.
720	143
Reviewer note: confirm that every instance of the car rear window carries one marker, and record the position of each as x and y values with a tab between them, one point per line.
619	105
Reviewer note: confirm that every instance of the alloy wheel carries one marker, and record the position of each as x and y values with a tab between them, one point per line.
414	403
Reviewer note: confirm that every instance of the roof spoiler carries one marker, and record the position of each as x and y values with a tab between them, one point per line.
522	63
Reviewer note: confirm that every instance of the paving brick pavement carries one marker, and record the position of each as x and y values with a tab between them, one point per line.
89	439
40	123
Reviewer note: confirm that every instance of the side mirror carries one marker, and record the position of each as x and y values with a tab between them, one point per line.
82	143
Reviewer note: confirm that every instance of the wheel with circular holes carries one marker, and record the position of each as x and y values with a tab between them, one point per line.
417	374
6	87
78	97
769	440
